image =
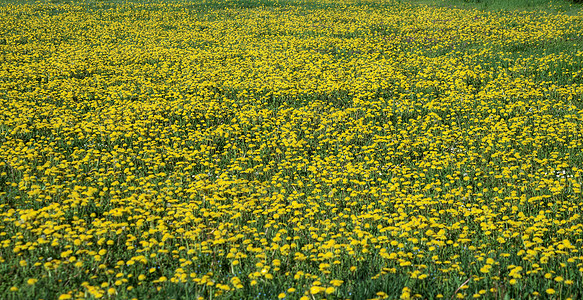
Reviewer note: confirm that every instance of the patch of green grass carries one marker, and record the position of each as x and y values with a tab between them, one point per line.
447	120
555	6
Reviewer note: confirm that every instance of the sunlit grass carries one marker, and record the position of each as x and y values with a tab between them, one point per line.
570	7
300	150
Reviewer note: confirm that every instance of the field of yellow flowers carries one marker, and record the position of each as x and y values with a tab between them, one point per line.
305	149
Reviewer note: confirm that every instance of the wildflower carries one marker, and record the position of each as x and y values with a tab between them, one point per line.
314	290
336	282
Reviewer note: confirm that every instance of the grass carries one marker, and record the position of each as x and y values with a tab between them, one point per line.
552	6
303	149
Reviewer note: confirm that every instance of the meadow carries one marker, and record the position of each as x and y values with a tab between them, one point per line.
302	149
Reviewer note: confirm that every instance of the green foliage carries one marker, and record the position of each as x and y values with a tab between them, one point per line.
306	149
570	6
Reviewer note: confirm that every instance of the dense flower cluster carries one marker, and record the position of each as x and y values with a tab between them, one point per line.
270	149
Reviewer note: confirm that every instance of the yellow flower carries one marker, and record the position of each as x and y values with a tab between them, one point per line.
281	296
336	282
299	137
550	291
314	290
